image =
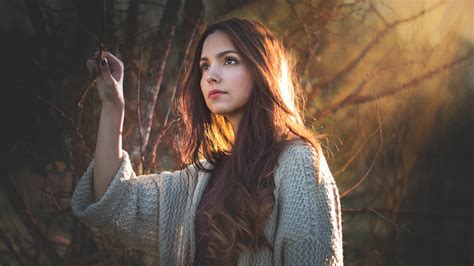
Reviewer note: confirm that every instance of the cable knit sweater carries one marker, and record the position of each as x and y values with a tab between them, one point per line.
155	213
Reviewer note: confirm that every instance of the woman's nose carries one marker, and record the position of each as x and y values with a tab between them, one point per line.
213	75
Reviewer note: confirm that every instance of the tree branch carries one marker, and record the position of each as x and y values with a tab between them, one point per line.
72	125
29	221
194	14
11	247
379	150
354	98
413	82
352	64
427	214
165	36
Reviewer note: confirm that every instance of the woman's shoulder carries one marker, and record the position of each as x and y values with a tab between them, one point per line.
299	149
201	165
300	156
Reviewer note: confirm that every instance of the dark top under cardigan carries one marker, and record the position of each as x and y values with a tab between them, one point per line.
201	224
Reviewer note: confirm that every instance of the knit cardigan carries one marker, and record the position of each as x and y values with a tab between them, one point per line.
155	213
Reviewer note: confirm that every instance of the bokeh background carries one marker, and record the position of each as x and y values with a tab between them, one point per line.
391	82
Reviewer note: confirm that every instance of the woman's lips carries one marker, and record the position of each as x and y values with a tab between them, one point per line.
214	93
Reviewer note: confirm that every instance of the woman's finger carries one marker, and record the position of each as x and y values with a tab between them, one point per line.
112	59
92	66
105	71
112	65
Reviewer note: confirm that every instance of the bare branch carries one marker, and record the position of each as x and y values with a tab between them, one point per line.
37	20
379	150
331	14
56	200
152	89
424	213
352	64
191	23
80	102
353	98
362	84
352	158
388	219
11	247
377	13
413	82
138	34
96	38
72	125
303	26
29	221
139	120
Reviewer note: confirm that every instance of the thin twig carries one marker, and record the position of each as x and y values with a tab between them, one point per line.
303	26
72	124
388	220
379	121
80	103
377	13
56	200
352	158
424	213
96	38
11	246
139	120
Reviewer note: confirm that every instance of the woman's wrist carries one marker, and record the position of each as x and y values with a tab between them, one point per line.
117	106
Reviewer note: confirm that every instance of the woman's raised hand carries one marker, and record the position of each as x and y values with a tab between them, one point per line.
109	73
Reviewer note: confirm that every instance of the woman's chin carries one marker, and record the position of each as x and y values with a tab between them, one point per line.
219	112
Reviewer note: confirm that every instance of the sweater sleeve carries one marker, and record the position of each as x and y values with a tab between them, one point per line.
309	221
143	212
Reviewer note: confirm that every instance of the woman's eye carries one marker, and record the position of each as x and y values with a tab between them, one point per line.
228	61
204	67
231	61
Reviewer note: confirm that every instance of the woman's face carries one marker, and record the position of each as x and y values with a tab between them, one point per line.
224	72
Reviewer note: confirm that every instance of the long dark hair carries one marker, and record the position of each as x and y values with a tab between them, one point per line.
245	162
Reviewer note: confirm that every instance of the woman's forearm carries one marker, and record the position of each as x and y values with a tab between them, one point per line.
108	151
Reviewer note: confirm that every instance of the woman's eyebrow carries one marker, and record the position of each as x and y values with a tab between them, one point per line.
219	55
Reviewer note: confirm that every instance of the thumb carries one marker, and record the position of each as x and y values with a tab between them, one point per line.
105	71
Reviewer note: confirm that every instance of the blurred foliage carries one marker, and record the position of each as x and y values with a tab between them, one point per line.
391	82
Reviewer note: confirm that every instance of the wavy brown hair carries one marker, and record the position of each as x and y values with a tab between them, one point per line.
272	117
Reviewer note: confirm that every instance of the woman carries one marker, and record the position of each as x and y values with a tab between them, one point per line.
262	193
